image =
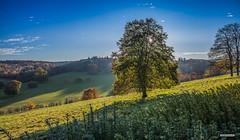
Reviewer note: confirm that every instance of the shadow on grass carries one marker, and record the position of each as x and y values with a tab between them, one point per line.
57	84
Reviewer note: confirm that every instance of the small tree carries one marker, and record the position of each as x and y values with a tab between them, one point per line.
41	75
31	105
12	88
90	93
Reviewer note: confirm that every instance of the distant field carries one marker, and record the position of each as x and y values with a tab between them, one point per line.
55	89
33	121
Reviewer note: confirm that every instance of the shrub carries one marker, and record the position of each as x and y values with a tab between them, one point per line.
51	104
71	100
60	102
78	80
41	106
30	105
13	87
2	112
23	108
11	110
2	85
88	79
90	93
32	84
17	109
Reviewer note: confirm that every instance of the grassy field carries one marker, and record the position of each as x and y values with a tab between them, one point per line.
55	89
33	121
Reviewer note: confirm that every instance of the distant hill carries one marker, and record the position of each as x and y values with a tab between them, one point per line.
193	65
24	70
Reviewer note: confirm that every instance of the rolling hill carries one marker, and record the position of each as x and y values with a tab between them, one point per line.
56	89
34	121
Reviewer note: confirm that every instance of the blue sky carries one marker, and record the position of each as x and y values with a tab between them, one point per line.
59	30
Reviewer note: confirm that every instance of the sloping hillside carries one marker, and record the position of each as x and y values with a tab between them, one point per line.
57	88
34	120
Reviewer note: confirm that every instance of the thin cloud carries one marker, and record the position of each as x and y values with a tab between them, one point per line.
150	5
162	20
9	51
230	15
13	39
15	51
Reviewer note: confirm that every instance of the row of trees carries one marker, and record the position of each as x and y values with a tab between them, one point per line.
226	47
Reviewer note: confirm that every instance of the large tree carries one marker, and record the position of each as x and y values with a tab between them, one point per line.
143	61
235	30
226	46
223	48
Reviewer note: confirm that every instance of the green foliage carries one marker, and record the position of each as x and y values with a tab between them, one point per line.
41	75
12	88
90	93
32	84
144	60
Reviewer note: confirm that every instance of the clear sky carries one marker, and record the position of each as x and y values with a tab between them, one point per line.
57	30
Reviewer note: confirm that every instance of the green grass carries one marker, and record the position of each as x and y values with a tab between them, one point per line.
55	90
34	120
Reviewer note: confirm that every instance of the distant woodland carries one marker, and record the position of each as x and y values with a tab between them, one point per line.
23	71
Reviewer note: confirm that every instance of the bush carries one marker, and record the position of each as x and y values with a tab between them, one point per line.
78	80
2	85
31	105
90	93
71	100
2	112
32	84
11	110
17	109
23	108
51	104
13	87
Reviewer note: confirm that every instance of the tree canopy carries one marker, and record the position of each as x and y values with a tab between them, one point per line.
143	61
12	88
41	75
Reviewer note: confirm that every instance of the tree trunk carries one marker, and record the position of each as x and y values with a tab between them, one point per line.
231	68
237	61
238	67
144	93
